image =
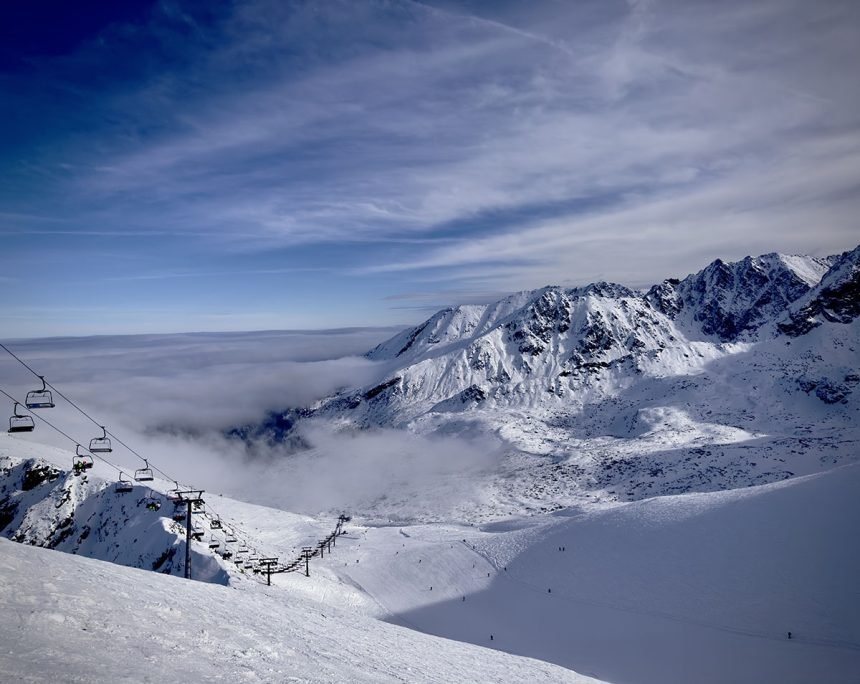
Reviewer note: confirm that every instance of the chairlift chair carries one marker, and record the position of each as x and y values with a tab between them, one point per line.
179	513
144	474
214	544
197	535
81	462
152	504
230	538
41	398
123	486
101	445
175	494
215	524
19	423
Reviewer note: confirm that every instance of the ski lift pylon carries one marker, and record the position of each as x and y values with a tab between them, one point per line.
41	398
20	423
144	474
101	445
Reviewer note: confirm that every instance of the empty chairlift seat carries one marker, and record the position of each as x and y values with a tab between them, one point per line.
101	445
144	474
20	423
123	486
41	398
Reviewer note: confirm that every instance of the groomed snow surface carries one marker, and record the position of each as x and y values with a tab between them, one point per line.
73	619
692	588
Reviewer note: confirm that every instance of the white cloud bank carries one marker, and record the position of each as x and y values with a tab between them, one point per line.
170	397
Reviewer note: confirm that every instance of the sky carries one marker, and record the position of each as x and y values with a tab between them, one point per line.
174	166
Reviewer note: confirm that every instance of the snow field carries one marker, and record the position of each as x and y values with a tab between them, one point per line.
698	587
73	619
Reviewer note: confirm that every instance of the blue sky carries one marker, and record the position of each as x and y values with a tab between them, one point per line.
175	166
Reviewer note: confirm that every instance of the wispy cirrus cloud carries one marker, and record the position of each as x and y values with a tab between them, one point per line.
457	146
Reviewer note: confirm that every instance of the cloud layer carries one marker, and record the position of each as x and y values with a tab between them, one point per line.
172	397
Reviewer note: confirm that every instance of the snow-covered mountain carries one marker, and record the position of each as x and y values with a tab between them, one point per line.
696	587
44	503
600	540
558	346
740	374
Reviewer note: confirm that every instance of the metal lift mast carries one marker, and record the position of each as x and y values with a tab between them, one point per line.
189	498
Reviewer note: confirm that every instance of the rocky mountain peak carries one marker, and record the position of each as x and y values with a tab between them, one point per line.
835	299
732	300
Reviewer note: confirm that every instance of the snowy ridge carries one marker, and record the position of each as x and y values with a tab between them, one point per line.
42	504
741	374
835	299
731	301
572	343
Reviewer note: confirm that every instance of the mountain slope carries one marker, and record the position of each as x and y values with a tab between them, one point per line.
74	619
731	301
44	504
578	345
741	374
691	588
836	299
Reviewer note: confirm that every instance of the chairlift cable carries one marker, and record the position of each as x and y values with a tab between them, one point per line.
79	409
120	471
90	418
66	435
9	351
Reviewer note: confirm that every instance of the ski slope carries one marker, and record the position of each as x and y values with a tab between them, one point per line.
690	588
74	619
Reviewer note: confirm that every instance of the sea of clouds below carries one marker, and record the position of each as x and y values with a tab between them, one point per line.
172	397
